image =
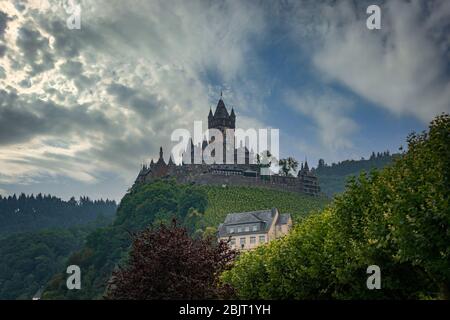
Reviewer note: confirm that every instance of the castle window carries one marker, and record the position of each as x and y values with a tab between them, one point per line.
233	241
231	230
262	239
254	228
239	229
253	240
242	241
247	229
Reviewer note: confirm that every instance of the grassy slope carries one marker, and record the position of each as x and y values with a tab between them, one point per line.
106	246
240	199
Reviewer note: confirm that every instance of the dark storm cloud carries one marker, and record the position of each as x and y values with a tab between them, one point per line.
25	83
22	119
143	103
73	70
3	23
19	5
35	49
2	50
117	151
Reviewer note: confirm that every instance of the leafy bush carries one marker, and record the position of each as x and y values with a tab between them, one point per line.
397	219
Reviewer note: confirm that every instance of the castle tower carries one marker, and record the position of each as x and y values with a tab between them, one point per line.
221	119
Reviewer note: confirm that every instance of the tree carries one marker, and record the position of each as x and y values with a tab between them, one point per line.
397	219
288	165
420	213
321	164
165	263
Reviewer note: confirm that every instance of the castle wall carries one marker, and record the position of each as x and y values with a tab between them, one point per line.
235	174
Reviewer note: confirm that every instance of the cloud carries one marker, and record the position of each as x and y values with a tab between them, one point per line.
35	50
328	111
100	100
403	67
3	23
23	117
96	102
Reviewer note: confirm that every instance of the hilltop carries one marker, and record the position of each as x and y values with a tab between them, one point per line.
199	208
333	178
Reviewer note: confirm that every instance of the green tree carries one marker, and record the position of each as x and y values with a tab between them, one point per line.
397	218
288	166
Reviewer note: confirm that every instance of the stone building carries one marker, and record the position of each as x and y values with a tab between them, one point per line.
247	230
243	171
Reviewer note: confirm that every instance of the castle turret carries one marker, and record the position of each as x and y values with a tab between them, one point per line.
210	115
233	118
161	158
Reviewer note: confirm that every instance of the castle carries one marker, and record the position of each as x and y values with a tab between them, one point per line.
243	172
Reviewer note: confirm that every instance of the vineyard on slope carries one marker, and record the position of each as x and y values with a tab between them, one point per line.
240	199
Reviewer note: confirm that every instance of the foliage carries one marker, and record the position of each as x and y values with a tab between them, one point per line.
28	260
199	208
30	213
288	166
143	206
333	178
397	219
166	263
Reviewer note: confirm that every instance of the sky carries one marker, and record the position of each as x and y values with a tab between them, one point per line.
82	109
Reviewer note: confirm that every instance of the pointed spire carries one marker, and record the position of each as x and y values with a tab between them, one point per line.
171	163
306	165
210	115
232	113
221	111
160	153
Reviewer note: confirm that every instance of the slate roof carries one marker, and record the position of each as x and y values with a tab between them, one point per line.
263	217
283	218
221	110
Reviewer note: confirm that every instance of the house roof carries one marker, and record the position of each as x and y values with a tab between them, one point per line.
263	217
283	218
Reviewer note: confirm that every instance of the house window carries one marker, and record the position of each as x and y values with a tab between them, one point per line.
242	241
254	228
252	240
231	230
233	241
262	239
247	229
239	229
